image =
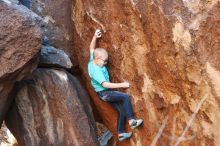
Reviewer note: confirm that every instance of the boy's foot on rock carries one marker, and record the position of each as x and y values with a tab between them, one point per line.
123	136
135	123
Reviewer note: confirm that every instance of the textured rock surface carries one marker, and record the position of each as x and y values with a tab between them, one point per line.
48	110
169	52
20	42
58	28
52	57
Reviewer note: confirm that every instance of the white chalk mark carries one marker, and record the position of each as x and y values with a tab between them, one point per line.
214	75
175	138
48	19
159	132
62	75
181	138
48	119
96	20
6	1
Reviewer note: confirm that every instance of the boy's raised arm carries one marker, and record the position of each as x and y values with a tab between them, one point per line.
98	34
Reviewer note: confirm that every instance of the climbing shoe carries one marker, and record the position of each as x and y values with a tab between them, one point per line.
135	123
123	136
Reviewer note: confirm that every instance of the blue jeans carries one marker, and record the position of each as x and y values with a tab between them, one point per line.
121	102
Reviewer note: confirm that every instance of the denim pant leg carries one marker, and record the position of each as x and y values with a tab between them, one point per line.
121	102
116	96
121	116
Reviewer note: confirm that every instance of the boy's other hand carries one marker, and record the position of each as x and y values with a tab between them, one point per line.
98	33
125	85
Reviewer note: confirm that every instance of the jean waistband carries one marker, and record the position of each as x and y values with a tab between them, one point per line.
103	91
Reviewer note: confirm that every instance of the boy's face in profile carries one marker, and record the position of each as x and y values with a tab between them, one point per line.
101	60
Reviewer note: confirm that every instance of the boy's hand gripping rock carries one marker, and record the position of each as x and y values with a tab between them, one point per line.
126	84
98	33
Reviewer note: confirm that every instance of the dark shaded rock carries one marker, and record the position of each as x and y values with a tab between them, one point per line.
84	98
26	3
20	43
52	57
58	28
48	111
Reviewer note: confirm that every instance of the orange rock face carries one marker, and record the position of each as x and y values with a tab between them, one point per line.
169	52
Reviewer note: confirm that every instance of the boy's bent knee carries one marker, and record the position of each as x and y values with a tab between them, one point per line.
126	97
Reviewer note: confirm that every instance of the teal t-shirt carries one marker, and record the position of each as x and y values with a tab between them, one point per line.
97	74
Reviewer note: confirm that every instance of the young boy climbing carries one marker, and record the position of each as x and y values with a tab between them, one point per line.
105	89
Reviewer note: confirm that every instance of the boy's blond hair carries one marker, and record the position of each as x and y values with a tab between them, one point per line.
99	52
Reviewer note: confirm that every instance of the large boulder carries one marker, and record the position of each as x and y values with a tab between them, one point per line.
52	57
169	52
58	23
20	43
50	110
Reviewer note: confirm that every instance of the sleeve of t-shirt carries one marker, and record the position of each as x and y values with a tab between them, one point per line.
99	76
91	56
